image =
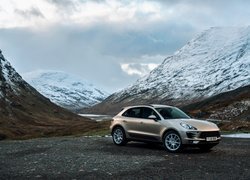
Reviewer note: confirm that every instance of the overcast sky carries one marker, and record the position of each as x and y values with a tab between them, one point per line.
109	43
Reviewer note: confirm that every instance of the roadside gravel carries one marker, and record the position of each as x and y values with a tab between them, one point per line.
97	157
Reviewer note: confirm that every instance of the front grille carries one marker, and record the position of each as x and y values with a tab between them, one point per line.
192	134
210	134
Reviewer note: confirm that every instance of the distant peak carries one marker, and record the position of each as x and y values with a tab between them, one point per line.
67	90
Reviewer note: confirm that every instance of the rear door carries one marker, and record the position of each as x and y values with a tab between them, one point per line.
131	121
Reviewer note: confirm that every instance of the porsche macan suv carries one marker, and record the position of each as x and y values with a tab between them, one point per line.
165	124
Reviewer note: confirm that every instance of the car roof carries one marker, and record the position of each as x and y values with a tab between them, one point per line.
159	105
150	105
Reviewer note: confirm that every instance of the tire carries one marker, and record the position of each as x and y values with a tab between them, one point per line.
119	136
172	142
206	147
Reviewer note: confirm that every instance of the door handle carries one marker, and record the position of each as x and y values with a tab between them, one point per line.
124	121
141	122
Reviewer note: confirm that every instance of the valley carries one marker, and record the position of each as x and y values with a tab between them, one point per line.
25	113
205	82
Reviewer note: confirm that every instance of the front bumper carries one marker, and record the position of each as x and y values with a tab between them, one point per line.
202	137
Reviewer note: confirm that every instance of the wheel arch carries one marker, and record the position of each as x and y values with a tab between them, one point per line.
167	147
115	126
168	130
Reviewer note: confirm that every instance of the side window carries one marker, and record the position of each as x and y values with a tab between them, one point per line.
147	112
133	112
166	113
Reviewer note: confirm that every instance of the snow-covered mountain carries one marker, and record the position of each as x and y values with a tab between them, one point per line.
216	61
24	112
66	90
10	81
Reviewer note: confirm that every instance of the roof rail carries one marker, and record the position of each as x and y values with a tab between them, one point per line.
155	105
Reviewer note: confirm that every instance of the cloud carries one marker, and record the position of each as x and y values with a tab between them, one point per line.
62	3
146	59
33	12
108	42
64	6
138	69
85	13
137	14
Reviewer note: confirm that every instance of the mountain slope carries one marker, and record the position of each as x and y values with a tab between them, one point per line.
232	105
65	90
216	61
26	113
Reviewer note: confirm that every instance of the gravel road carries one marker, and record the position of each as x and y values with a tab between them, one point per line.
97	158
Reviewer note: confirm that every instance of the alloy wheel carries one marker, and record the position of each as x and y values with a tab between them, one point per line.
172	142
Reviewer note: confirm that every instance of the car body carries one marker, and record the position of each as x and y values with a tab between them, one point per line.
163	124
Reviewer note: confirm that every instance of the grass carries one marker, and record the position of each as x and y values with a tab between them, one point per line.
100	132
75	129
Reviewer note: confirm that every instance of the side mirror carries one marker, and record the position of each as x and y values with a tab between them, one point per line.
152	117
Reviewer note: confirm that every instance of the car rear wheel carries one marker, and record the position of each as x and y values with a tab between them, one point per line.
172	141
119	136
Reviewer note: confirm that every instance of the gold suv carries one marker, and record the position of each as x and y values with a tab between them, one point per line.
164	124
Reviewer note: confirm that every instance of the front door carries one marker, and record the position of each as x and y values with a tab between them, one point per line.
150	128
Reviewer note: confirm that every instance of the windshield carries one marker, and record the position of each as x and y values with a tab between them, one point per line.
172	113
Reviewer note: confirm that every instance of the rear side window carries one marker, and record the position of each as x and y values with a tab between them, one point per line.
133	112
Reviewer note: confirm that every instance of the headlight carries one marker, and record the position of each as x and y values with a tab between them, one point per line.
187	126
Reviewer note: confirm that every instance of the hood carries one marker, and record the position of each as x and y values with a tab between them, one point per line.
201	125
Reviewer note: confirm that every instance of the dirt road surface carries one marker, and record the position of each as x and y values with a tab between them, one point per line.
98	158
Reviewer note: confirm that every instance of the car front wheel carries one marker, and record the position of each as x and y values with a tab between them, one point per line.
119	136
172	141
